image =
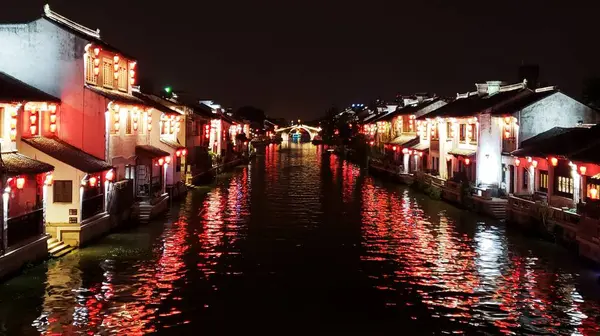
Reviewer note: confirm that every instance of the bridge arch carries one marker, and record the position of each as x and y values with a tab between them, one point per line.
285	132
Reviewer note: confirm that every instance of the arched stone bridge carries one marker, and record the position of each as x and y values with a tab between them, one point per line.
285	132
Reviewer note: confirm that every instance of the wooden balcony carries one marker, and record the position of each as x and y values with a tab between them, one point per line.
509	145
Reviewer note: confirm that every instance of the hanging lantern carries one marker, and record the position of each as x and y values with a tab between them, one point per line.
554	161
135	125
116	74
33	129
96	51
420	153
394	148
110	175
132	65
534	163
507	120
582	170
13	134
117	126
116	58
178	153
371	143
131	81
52	128
49	179
506	134
167	159
33	118
517	162
161	161
149	127
20	182
117	117
467	161
96	62
96	71
405	150
93	181
184	151
594	193
529	159
131	73
53	118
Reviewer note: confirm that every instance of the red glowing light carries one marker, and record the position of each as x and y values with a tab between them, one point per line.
178	153
20	182
582	170
534	163
167	159
394	148
554	161
517	162
184	152
93	181
161	161
49	179
467	161
110	175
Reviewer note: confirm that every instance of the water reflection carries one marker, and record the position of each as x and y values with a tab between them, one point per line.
303	238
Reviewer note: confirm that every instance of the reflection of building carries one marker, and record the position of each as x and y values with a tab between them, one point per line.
24	112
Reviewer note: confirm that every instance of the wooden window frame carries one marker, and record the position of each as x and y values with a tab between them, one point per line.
543	180
90	77
110	82
64	184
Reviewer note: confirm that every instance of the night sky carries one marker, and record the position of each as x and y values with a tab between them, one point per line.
294	61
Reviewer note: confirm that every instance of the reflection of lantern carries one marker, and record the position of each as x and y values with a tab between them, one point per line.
110	175
517	162
93	181
20	182
167	159
582	170
467	161
534	163
554	161
594	193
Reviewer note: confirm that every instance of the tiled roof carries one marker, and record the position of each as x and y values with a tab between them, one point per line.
404	140
462	152
411	109
156	103
68	154
150	151
15	164
13	90
116	95
522	102
172	144
470	106
421	146
558	141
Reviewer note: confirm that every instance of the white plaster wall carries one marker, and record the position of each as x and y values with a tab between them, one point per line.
555	110
57	212
489	149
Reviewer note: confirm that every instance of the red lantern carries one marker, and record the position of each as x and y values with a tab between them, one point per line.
110	175
534	163
394	148
20	182
371	143
161	161
52	128
49	179
93	181
96	71
33	129
178	153
554	161
582	170
405	150
96	51
167	159
517	162
467	161
33	118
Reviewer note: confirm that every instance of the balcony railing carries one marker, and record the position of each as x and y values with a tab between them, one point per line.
24	227
92	206
509	145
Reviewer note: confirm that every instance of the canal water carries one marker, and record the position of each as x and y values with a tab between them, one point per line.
300	242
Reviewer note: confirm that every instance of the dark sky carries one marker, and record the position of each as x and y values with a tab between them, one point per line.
295	60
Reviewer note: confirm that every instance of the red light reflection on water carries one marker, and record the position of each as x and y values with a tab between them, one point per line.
473	281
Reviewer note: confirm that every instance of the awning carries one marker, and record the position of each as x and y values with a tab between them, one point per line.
117	96
463	152
150	151
16	164
173	144
422	146
68	154
404	140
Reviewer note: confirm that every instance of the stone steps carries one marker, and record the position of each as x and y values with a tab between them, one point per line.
58	248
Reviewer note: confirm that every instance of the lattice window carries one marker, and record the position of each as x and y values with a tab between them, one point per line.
90	77
122	76
543	180
108	73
